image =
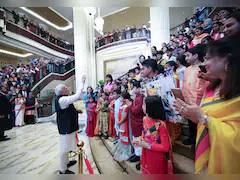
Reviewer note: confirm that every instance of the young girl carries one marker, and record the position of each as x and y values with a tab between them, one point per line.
111	130
170	69
103	121
122	150
182	65
99	94
156	152
91	116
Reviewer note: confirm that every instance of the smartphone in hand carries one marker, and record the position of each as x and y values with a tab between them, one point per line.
203	68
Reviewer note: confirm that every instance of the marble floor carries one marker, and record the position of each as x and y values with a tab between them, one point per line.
34	149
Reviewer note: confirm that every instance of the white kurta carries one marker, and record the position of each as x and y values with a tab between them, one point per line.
68	141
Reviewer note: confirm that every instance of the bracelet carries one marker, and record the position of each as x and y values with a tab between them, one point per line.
149	146
203	120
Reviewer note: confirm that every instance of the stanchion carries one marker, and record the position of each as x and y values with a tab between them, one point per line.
80	145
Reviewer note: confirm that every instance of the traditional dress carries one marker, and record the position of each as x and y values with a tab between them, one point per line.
111	122
19	111
217	147
180	72
117	106
91	111
97	115
136	119
158	159
67	121
30	112
103	122
192	91
122	150
198	39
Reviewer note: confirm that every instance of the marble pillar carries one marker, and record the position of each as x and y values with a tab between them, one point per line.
84	46
160	26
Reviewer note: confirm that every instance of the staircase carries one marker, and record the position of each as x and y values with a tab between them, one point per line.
183	157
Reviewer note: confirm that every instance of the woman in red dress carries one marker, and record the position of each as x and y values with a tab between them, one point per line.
156	153
91	114
111	130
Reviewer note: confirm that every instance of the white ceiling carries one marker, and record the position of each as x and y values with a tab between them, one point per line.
67	12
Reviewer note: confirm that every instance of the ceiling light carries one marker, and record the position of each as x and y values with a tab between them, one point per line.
15	54
99	21
69	26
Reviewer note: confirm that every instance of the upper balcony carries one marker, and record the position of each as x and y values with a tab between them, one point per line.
122	37
37	34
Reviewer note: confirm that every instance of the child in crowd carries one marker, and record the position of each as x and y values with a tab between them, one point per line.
156	152
117	105
137	72
99	95
174	129
182	65
111	132
122	150
199	35
91	116
103	122
136	117
193	87
170	69
124	88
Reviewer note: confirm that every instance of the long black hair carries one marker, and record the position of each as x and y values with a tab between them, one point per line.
229	48
182	60
91	89
154	108
110	76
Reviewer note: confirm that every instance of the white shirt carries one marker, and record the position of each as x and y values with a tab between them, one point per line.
65	101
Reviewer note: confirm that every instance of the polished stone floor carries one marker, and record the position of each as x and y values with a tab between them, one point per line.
34	149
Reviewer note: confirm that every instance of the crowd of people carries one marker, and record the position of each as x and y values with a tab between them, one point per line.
22	19
191	80
16	83
126	33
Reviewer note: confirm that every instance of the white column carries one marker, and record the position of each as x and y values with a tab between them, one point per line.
160	26
84	46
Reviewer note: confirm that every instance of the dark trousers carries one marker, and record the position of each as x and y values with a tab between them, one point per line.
192	129
2	128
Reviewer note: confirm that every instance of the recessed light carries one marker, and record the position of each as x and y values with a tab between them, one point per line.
15	54
69	26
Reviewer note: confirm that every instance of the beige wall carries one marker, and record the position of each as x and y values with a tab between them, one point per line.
11	60
179	14
141	15
7	60
133	16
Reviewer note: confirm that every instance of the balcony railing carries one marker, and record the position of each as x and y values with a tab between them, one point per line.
117	38
54	68
28	34
22	25
51	77
123	42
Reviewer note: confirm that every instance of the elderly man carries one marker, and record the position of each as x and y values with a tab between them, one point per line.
67	121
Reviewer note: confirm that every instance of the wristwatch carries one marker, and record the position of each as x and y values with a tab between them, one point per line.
149	146
203	120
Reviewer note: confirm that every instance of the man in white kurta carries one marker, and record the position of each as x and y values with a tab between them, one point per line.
67	138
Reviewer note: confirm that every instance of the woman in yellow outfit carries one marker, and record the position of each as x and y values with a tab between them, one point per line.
218	118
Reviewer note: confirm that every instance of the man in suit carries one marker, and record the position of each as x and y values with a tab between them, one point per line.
5	110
